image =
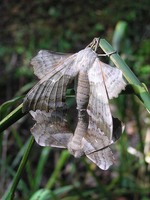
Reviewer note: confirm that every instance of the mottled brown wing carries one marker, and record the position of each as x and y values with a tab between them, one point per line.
103	129
45	60
113	79
106	82
96	144
103	158
51	129
49	93
98	107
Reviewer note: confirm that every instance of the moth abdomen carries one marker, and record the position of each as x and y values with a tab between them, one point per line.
83	89
75	144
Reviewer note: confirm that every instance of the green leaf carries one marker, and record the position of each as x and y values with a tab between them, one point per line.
42	194
139	89
46	194
119	34
5	106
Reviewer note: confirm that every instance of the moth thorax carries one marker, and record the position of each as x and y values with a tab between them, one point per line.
83	90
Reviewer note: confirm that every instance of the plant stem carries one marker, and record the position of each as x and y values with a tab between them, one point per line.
138	87
10	192
11	118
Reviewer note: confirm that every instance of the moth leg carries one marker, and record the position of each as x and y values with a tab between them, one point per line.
94	44
107	54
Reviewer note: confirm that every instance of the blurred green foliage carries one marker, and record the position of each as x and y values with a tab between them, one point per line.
68	26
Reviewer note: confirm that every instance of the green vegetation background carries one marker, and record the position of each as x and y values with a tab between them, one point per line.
68	26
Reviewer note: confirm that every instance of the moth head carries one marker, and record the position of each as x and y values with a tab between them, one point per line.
85	59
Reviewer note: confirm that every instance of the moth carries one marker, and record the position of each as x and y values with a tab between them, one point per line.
97	83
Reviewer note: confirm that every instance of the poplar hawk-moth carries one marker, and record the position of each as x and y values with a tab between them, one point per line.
97	83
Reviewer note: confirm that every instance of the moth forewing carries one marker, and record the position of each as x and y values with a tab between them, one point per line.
98	108
114	84
101	133
113	79
103	158
94	140
43	95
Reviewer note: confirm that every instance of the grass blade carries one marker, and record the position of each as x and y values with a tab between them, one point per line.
10	192
139	88
64	156
11	118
